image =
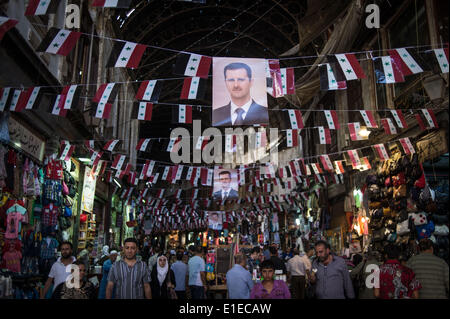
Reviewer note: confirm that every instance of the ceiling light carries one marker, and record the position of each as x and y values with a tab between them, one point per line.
84	159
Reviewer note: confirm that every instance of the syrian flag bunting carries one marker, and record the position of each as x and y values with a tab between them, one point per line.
28	99
326	163
66	151
349	66
56	110
149	90
142	111
142	144
59	41
201	142
193	65
369	119
339	167
328	80
407	146
406	60
105	96
438	60
354	158
388	126
109	146
126	55
182	114
324	135
41	7
112	3
431	119
4	97
70	96
174	144
292	138
89	144
354	129
420	122
193	88
399	118
5	25
381	152
118	162
332	119
288	80
295	119
386	70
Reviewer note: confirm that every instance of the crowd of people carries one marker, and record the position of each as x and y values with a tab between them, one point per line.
313	272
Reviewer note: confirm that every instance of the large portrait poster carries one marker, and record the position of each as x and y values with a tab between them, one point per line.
87	199
239	92
215	220
225	184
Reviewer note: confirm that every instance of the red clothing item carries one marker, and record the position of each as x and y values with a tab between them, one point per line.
11	260
54	170
397	281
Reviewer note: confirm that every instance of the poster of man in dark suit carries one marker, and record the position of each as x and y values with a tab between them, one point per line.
223	188
243	86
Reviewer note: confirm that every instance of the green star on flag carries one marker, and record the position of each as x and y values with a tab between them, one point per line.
445	65
62	34
441	55
192	68
55	45
413	65
389	74
332	81
387	63
128	49
124	59
194	59
43	3
342	60
349	71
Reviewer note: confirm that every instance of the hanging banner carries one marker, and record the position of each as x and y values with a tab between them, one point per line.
87	197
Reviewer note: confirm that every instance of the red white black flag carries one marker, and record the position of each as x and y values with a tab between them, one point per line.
109	146
105	96
41	7
59	41
202	141
66	151
6	24
143	144
328	79
182	114
399	118
126	55
349	66
388	126
387	71
292	138
27	99
149	90
324	135
287	80
118	161
5	97
294	118
70	96
332	119
112	3
369	119
407	60
380	150
407	146
56	109
191	64
437	60
430	117
193	88
142	111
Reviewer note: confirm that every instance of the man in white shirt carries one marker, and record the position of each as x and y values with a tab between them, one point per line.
296	270
58	273
242	109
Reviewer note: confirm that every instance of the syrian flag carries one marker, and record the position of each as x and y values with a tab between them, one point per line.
328	79
407	146
206	176
56	109
431	119
369	119
324	135
118	162
354	129
126	55
66	151
142	111
150	169
144	170
241	176
5	25
230	143
193	88
202	141
105	96
142	144
420	122
327	165
41	7
5	97
386	70
95	158
349	65
332	119
149	90
305	167
316	168
183	114
288	81
365	163
261	139
406	60
15	100
125	4
381	152
109	146
399	118
389	127
295	168
89	144
273	76
70	96
59	41
191	64
295	119
339	167
292	138
132	180
174	144
178	193
437	60
28	98
354	158
166	176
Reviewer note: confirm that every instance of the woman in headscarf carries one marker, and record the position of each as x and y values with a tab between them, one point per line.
163	279
105	272
105	255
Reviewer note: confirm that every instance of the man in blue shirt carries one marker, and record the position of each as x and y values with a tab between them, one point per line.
239	280
180	270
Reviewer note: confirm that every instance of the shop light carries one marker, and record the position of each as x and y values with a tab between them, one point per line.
84	160
363	132
297	221
117	183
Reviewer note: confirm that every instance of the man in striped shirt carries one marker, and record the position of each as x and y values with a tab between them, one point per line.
431	271
130	278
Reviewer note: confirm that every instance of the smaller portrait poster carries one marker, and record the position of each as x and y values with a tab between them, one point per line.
225	184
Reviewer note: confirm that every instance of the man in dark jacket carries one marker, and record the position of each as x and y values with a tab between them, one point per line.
277	261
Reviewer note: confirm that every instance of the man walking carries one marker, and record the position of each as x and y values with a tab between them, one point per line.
296	273
277	261
180	269
130	278
196	276
58	273
330	275
431	271
239	280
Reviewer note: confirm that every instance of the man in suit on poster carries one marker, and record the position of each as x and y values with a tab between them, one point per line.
226	192
242	109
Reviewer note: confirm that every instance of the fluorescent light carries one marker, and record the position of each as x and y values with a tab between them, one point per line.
84	160
117	183
363	132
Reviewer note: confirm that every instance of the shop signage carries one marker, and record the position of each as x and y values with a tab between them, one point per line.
87	199
26	140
